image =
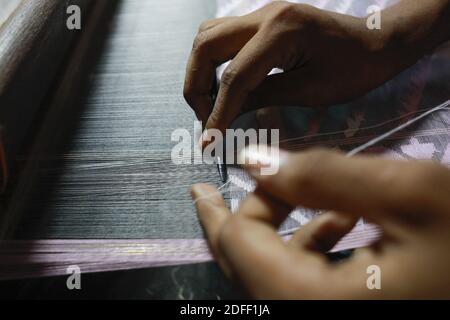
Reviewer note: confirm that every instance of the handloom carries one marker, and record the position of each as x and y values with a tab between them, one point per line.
104	193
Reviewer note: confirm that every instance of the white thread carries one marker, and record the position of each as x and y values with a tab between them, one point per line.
210	195
397	129
360	129
242	185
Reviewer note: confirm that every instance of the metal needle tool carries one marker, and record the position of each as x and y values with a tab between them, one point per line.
220	161
222	167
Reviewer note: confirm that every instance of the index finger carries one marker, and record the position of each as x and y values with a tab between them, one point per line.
362	185
244	73
212	46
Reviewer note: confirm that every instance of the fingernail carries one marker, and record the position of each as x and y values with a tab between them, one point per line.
203	193
197	191
262	160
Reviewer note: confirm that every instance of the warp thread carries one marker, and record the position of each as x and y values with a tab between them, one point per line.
444	106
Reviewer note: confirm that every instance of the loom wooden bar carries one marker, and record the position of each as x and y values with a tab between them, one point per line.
33	44
29	98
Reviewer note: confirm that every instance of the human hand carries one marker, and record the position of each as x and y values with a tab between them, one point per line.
327	58
408	200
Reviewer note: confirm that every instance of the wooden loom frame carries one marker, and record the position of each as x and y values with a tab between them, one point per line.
42	65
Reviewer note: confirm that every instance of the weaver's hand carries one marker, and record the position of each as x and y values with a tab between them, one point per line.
316	49
327	57
408	200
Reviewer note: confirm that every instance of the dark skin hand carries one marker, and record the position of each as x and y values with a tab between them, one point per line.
408	200
327	57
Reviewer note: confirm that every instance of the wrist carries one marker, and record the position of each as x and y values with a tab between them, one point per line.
410	30
394	46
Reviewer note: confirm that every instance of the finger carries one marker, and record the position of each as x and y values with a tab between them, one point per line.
261	261
213	214
291	88
367	186
245	72
323	232
297	87
213	46
269	269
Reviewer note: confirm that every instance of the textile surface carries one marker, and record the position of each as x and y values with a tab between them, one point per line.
113	199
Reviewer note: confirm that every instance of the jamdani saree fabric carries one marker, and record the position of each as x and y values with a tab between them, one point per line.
113	200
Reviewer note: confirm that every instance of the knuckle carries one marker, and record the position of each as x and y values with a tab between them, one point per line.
205	25
297	19
278	5
201	41
230	77
282	11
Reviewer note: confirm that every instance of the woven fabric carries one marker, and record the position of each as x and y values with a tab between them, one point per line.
115	182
